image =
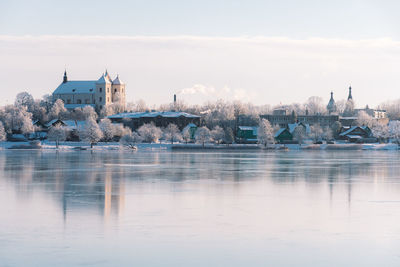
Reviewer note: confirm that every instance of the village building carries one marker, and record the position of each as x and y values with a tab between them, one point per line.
247	134
356	134
162	119
96	93
288	134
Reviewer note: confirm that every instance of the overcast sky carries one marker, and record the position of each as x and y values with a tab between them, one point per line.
266	52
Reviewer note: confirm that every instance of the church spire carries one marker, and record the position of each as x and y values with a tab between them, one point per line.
65	79
350	96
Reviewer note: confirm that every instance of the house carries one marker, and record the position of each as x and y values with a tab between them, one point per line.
355	133
162	119
286	135
247	134
283	136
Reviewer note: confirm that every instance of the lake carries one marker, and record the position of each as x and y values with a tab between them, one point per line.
255	208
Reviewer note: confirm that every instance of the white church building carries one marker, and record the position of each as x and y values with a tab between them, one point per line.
97	93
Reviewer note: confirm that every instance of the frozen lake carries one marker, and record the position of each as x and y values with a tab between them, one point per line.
321	208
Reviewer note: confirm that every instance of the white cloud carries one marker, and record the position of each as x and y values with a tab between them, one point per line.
259	69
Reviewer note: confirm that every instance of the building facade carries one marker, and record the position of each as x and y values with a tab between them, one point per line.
96	93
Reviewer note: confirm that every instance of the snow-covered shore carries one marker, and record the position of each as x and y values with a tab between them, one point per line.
74	146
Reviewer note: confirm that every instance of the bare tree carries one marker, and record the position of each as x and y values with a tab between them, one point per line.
315	105
299	134
186	135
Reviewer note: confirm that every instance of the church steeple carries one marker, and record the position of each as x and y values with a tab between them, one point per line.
65	79
350	96
331	105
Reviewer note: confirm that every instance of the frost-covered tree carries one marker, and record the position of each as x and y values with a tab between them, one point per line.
316	133
172	133
90	132
217	134
203	135
363	119
89	112
380	131
58	111
335	128
130	140
107	128
24	99
3	135
299	134
149	133
394	130
315	105
57	133
186	135
229	136
17	119
349	108
265	134
120	130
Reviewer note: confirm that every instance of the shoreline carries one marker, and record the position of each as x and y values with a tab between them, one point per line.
113	146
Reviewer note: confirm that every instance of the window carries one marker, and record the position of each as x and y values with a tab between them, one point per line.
91	89
115	90
108	99
122	90
68	101
100	90
79	101
100	99
73	90
87	101
108	89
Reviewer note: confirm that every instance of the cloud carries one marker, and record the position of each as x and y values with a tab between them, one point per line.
250	68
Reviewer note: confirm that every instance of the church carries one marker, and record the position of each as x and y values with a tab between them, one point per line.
96	93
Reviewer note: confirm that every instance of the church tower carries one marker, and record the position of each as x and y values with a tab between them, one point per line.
350	96
331	107
103	91
65	78
118	91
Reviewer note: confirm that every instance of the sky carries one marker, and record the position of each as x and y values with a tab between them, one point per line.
265	52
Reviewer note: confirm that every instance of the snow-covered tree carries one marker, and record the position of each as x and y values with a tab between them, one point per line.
380	131
217	134
89	112
3	135
349	108
265	134
130	140
394	130
363	119
186	135
57	111
316	133
335	128
229	136
150	133
172	133
107	128
90	132
17	119
299	134
120	130
315	105
24	99
57	133
203	135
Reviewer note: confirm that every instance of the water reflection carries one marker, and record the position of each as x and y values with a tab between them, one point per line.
261	206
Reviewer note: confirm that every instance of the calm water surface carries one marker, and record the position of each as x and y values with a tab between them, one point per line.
199	209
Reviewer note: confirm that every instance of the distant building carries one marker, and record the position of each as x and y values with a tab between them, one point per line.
283	118
331	107
95	93
160	119
286	135
247	134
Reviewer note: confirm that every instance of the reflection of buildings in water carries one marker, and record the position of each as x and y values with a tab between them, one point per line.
82	181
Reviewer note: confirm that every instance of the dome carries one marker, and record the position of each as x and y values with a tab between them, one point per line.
117	81
331	105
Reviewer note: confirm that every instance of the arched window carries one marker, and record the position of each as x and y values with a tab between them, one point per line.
100	89
115	90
